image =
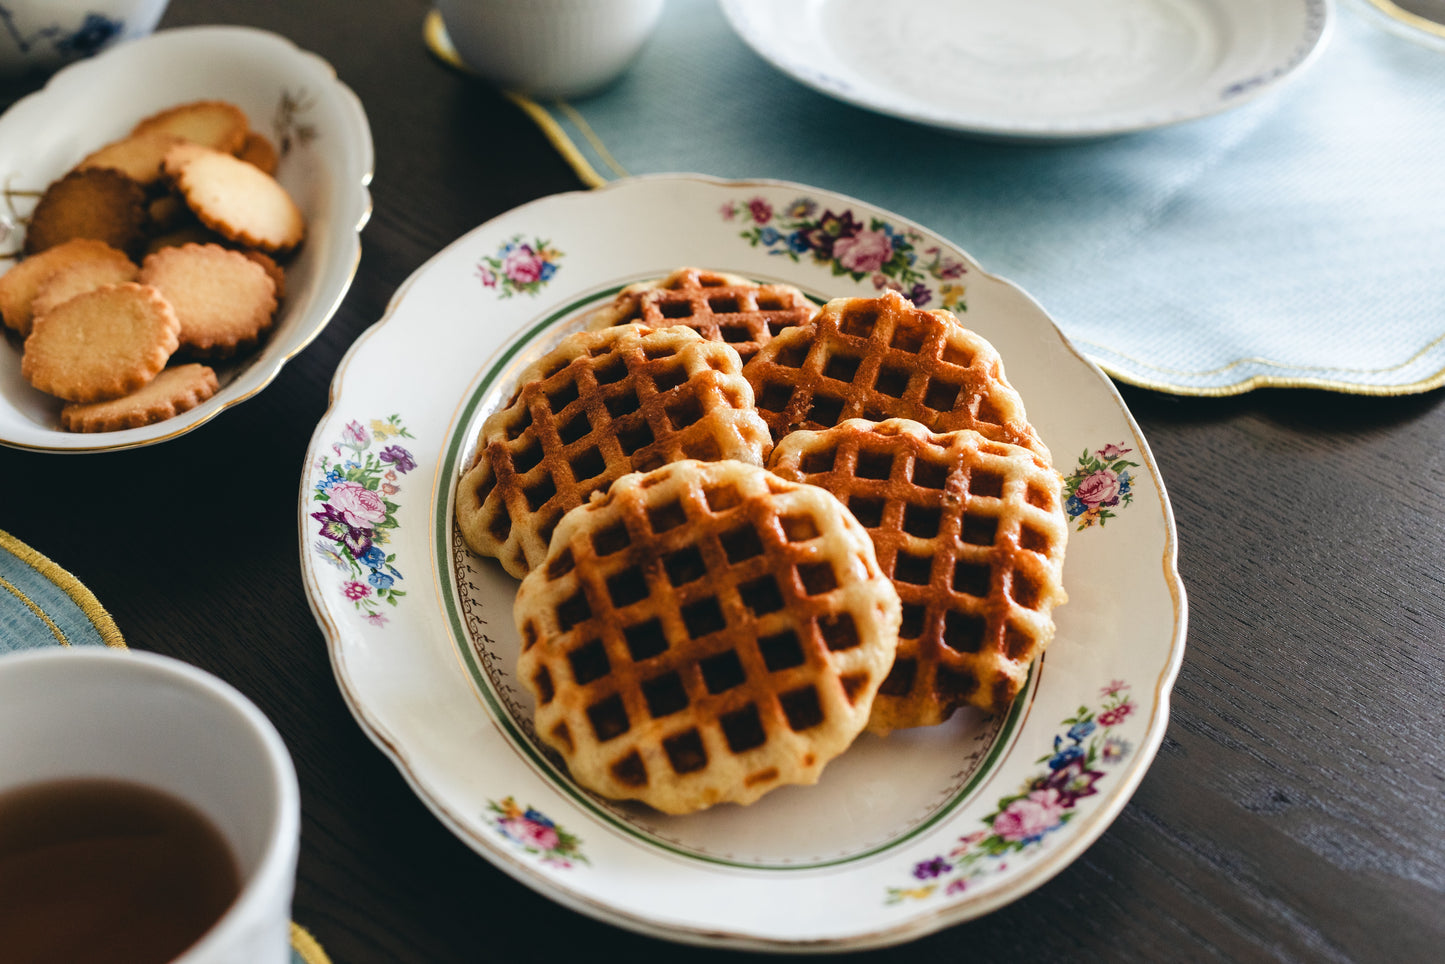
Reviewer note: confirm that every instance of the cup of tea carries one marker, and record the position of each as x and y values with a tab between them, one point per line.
549	48
148	813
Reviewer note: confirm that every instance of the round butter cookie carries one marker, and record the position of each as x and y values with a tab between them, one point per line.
224	301
103	344
138	156
216	124
704	633
19	285
98	203
79	276
173	391
235	199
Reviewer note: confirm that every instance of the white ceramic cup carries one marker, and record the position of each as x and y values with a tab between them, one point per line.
549	48
41	36
100	713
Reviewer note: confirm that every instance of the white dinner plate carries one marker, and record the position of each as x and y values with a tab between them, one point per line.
903	835
291	96
1041	70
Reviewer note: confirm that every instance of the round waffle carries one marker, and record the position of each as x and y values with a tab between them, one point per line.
972	533
881	358
600	405
704	632
720	307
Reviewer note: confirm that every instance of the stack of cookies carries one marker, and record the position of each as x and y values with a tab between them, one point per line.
156	256
730	568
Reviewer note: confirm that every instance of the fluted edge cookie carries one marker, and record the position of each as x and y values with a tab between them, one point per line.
102	344
173	391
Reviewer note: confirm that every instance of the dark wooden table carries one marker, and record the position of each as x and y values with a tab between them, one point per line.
1296	810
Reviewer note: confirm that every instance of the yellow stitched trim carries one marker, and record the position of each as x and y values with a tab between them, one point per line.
554	133
39	613
73	587
304	944
580	122
1406	17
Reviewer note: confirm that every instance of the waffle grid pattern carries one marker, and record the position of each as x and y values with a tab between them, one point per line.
719	307
881	358
601	405
971	532
704	633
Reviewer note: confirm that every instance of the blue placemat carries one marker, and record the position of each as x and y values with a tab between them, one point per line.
1293	241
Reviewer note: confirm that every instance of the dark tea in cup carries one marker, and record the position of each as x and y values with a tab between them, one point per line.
101	870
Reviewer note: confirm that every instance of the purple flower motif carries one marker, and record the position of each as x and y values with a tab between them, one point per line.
928	869
920	294
335	527
830	228
1072	782
1115	749
761	210
398	457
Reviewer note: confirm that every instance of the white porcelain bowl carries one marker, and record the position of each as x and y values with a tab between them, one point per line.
41	36
290	95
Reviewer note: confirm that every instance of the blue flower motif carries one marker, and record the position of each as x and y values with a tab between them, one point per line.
1079	731
328	480
1126	482
1063	757
1075	506
536	816
798	242
548	270
769	236
375	557
380	580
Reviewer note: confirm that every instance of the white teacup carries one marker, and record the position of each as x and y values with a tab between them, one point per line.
41	36
88	712
549	48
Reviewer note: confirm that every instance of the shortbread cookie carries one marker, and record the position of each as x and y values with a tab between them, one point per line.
102	344
259	151
237	200
704	633
98	203
19	285
173	391
224	301
216	124
277	273
972	533
718	306
138	156
81	275
598	406
880	358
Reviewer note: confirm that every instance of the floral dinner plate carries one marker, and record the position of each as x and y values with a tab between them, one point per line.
903	835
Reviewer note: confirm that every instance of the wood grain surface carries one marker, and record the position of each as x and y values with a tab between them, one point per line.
1295	812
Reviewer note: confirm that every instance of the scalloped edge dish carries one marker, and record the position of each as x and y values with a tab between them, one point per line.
422	642
289	94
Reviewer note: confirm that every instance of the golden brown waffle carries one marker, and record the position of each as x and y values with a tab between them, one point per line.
972	533
600	405
720	307
881	358
704	633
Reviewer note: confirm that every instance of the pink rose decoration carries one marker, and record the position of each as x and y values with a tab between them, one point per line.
523	265
359	506
531	833
1030	816
1101	488
864	251
1111	452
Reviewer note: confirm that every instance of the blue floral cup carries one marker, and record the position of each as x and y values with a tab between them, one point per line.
38	37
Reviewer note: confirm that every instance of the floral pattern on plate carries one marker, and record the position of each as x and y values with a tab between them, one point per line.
357	513
1099	484
519	267
1022	821
536	833
848	246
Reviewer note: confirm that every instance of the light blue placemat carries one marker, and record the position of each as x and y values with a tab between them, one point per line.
1294	241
